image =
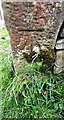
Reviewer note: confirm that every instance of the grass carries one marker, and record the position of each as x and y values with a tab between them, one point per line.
5	65
28	94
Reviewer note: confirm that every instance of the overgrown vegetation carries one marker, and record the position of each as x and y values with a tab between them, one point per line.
30	93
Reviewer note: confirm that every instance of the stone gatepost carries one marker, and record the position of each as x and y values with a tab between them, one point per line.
59	61
33	28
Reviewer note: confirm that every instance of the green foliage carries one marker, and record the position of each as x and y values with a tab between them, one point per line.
6	67
34	95
29	93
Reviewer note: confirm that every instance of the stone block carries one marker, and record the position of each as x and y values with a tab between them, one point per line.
33	27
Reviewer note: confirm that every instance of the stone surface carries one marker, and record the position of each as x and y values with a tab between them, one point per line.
60	44
33	27
59	63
